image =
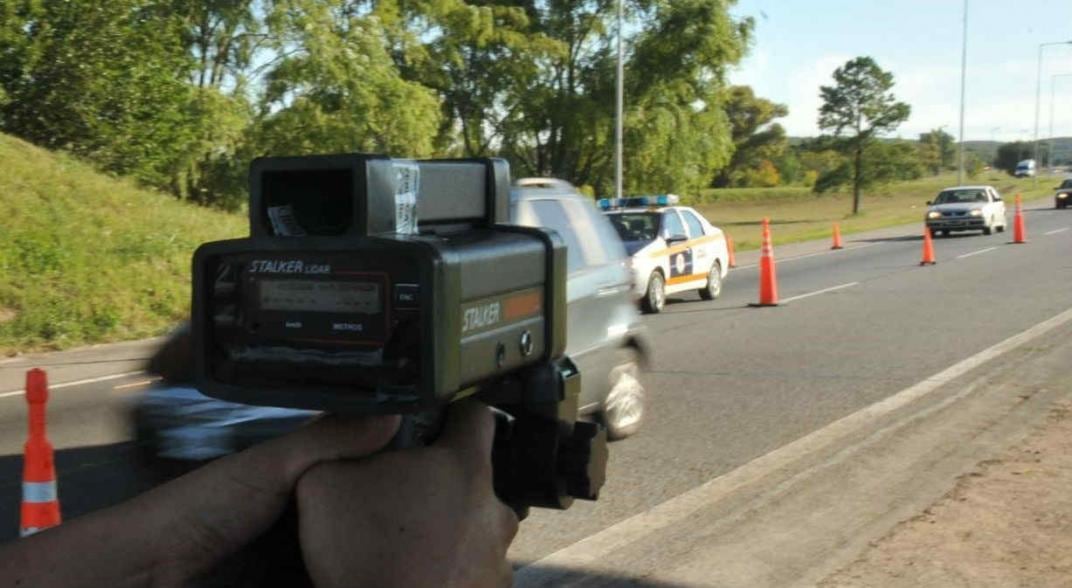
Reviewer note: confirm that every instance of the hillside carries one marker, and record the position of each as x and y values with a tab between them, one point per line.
86	258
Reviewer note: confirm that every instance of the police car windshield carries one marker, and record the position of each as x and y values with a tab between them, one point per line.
636	226
960	197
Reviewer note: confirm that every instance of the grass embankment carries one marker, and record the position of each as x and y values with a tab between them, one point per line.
86	258
797	214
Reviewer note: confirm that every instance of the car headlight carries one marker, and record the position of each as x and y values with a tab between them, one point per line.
1063	195
934	214
976	212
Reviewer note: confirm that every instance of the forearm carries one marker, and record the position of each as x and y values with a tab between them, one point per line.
161	538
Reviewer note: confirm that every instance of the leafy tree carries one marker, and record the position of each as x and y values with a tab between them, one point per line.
101	79
938	150
756	138
764	175
335	87
881	162
1010	154
859	108
973	164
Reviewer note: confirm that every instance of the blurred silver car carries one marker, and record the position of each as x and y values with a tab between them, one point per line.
175	423
966	208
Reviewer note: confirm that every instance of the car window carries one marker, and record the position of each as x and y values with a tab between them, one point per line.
635	226
960	196
589	236
695	226
673	224
1066	184
551	215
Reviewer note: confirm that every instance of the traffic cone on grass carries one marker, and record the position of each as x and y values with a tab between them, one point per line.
768	279
837	237
1019	231
731	257
928	248
40	502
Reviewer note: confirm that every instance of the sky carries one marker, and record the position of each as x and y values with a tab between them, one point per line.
797	45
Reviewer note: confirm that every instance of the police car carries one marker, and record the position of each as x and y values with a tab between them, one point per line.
672	248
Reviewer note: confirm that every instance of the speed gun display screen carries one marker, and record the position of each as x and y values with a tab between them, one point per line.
321	296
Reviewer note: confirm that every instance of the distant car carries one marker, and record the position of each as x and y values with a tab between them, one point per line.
966	208
672	248
1025	169
177	427
1064	194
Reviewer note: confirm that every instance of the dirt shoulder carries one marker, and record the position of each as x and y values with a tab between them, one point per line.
1007	523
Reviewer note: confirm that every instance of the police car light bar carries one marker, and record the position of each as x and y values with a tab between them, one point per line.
638	201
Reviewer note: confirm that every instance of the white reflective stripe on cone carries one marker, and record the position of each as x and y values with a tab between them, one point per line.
39	492
27	531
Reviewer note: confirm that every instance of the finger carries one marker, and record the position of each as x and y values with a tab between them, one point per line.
469	430
335	437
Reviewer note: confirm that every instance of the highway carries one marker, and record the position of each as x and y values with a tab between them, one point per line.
729	384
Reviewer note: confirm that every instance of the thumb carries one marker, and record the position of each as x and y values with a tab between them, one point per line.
337	437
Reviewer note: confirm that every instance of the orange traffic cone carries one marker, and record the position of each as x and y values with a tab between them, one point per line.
40	503
837	237
768	279
928	248
731	256
1019	231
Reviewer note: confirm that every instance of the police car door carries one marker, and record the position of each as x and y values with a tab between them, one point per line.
680	254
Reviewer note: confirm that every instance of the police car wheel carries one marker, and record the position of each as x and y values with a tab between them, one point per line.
714	283
624	409
655	298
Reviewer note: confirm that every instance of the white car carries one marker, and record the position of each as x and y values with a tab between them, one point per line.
672	248
966	208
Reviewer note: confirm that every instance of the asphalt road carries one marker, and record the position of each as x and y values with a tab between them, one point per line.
729	383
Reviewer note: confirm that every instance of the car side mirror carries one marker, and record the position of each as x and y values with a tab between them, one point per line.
678	238
930	203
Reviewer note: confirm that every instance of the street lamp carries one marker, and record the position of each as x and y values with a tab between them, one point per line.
963	74
618	110
1038	96
1053	88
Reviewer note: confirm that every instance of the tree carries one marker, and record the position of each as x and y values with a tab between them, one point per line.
881	162
756	138
103	80
1010	154
858	109
938	150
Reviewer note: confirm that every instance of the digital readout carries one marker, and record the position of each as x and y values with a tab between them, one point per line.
320	296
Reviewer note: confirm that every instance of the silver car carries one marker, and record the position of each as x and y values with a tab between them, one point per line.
966	208
175	423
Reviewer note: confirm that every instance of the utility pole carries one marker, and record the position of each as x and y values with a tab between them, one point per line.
1038	99
619	99
963	78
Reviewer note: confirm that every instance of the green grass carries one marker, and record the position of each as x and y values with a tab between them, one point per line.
799	215
85	258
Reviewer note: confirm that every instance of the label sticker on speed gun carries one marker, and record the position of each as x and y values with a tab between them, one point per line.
407	183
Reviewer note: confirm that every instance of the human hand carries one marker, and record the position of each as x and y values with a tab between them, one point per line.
418	517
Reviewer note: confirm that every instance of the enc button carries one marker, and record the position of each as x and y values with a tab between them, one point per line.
407	296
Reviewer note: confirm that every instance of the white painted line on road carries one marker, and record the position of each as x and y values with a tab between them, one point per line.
138	384
51	387
806	255
976	252
588	552
1055	231
818	292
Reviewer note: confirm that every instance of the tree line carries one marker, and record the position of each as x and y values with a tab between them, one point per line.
182	95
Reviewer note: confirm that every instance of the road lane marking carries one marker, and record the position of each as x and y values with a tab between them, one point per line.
818	292
806	255
137	384
20	392
1055	231
976	252
589	551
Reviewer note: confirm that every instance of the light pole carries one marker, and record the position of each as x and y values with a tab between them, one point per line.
1038	96
1053	88
618	110
963	77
